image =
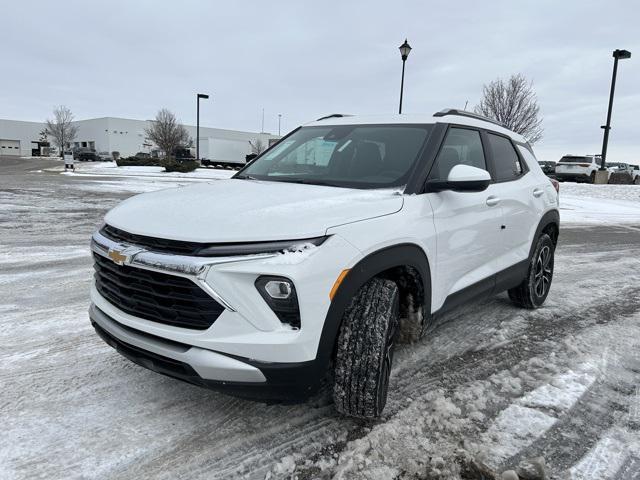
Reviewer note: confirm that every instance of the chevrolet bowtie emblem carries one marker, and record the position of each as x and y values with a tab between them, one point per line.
117	257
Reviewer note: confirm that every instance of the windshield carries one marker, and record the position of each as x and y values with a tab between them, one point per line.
354	156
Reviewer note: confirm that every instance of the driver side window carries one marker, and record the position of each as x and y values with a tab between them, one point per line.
462	146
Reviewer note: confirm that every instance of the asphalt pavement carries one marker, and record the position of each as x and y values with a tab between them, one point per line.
490	385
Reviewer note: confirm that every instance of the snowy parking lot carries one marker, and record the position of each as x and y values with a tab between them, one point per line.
550	393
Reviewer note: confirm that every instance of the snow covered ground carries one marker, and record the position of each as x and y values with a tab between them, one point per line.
584	203
490	388
110	169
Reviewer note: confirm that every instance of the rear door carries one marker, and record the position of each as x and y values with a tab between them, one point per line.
522	196
467	224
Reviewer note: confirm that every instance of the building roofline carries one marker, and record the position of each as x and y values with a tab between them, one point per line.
148	120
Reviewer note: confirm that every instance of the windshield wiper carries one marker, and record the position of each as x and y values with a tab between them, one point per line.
305	181
245	177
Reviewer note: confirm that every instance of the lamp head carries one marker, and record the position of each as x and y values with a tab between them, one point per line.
621	54
405	49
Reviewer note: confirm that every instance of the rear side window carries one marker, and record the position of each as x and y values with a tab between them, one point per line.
506	161
462	146
530	158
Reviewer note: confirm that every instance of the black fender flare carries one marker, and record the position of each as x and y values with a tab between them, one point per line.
549	218
373	264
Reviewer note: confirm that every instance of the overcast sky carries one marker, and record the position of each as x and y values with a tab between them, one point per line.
304	59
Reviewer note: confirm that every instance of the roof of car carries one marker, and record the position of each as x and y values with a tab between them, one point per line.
338	119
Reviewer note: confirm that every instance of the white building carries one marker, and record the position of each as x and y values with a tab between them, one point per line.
110	134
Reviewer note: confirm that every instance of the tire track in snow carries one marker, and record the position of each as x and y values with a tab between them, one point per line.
603	461
453	372
531	416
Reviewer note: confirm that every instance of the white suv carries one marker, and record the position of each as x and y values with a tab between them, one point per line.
578	168
311	262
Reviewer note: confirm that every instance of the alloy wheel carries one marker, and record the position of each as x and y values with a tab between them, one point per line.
543	271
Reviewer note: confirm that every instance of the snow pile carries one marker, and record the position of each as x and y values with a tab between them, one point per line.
415	442
110	169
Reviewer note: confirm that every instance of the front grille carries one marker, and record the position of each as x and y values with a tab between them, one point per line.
176	247
155	296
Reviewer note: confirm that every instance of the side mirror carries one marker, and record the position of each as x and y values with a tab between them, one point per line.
462	178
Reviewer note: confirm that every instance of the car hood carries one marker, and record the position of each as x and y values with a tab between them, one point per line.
237	210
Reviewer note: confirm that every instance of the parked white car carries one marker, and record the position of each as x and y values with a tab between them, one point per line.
578	168
625	168
316	258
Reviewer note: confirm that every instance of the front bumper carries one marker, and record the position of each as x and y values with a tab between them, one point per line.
233	375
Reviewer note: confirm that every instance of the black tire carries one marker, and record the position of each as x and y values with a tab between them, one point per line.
533	290
365	350
592	177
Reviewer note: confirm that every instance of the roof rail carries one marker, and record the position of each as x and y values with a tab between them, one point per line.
464	113
334	115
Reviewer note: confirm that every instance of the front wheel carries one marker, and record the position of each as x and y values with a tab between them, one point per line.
365	350
592	177
533	290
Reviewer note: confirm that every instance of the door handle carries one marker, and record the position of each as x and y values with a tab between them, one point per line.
493	201
538	192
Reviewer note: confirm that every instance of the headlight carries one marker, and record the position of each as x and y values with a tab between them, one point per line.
280	295
232	249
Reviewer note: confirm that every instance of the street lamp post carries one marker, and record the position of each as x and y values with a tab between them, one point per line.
199	96
279	118
404	52
617	55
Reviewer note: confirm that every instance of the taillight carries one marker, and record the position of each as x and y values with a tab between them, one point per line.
555	184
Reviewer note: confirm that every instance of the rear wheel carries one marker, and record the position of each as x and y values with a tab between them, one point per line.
592	177
533	290
637	180
365	350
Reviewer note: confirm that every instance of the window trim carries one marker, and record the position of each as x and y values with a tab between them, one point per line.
523	163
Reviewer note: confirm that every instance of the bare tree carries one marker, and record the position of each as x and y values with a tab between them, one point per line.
514	104
257	146
61	128
166	132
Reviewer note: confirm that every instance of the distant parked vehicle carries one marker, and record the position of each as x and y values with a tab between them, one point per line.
230	154
85	154
104	156
549	168
181	154
578	168
621	173
619	167
142	155
635	174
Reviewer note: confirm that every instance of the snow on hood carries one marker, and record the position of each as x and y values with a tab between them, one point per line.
245	210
